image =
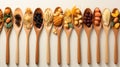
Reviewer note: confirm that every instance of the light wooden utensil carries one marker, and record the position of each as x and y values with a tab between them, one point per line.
59	30
78	31
37	31
97	30
7	31
2	24
68	34
88	32
27	31
17	30
106	29
116	45
48	30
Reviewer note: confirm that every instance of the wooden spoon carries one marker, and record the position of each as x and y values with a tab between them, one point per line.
88	32
38	31
78	31
2	24
115	30
68	33
48	30
17	30
59	30
8	31
97	30
106	29
116	45
27	30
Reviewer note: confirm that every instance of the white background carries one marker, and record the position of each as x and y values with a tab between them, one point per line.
82	4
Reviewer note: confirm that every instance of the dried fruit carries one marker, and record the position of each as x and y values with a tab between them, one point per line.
38	19
115	13
18	19
88	17
117	25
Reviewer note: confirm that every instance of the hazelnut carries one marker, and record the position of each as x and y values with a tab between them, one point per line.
97	18
97	14
7	11
97	9
115	19
8	20
97	23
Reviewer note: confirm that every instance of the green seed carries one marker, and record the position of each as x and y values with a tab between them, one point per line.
70	25
9	25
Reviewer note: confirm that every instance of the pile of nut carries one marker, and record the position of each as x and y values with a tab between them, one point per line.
106	17
77	16
1	17
68	19
8	18
27	19
57	19
115	19
48	16
97	16
87	17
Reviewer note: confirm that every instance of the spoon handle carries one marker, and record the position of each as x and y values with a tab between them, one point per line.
48	48
89	51
37	49
98	48
27	50
7	50
79	50
68	50
116	50
106	50
17	50
59	50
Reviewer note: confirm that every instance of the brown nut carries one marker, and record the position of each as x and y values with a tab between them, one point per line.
97	9
115	19
97	14
97	23
57	21
7	20
7	11
97	18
